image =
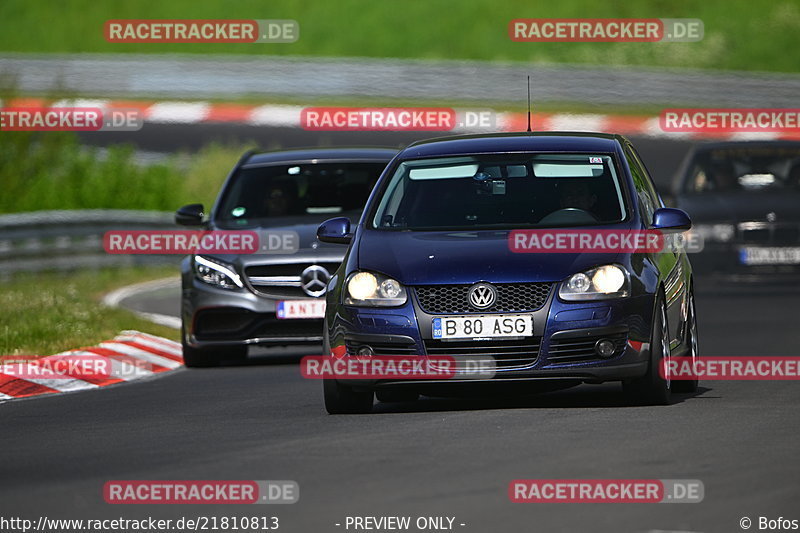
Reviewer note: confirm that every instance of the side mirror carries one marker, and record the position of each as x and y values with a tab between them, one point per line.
335	230
671	220
190	215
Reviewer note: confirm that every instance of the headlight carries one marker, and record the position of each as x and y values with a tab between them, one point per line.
368	289
608	281
216	274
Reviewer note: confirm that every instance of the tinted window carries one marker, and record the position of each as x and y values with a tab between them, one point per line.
502	191
261	193
741	169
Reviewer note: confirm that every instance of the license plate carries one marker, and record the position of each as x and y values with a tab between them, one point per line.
752	255
301	309
483	327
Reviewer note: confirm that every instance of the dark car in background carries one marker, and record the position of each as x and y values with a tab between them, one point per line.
744	200
230	302
430	271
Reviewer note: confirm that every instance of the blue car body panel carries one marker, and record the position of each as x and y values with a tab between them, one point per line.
424	258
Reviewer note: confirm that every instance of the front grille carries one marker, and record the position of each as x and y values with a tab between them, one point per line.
281	293
774	233
286	282
240	324
511	297
581	349
508	355
288	269
380	348
296	327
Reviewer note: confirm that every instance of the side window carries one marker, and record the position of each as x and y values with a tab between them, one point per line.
648	200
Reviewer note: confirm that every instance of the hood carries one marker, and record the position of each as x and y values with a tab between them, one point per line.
742	206
310	249
421	258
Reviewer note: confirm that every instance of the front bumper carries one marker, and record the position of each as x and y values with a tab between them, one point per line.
562	347
219	317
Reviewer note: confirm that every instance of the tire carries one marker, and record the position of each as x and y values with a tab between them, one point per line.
396	395
683	385
652	389
341	399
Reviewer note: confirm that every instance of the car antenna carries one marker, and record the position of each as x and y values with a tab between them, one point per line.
529	104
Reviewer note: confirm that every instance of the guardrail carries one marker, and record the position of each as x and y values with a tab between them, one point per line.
151	75
70	240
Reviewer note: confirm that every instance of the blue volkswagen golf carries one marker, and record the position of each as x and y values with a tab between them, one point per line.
430	271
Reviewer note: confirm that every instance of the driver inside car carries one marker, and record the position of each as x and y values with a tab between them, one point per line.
577	195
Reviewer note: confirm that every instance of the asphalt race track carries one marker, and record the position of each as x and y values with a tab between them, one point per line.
436	457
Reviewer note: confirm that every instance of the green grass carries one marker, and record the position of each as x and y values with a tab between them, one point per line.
739	34
49	313
41	171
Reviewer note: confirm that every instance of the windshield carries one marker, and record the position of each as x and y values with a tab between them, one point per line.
738	169
265	193
502	191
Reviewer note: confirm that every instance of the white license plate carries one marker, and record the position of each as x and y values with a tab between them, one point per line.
485	327
301	309
752	255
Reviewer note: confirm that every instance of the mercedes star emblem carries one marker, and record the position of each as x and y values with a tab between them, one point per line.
314	280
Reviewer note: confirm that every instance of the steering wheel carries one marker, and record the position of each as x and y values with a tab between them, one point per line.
569	215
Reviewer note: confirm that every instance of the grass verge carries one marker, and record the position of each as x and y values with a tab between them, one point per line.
45	314
739	34
50	170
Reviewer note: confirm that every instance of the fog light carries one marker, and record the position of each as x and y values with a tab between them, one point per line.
604	348
365	351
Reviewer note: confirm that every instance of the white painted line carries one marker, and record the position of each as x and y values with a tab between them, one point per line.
114	298
169	321
178	112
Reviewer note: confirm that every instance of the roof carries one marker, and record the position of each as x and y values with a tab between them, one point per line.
321	155
514	142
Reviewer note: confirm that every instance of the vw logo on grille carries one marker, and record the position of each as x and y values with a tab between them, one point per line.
481	296
314	279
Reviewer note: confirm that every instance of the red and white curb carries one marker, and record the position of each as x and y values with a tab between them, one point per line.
150	354
288	116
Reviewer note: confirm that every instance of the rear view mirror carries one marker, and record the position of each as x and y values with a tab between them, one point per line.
190	215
